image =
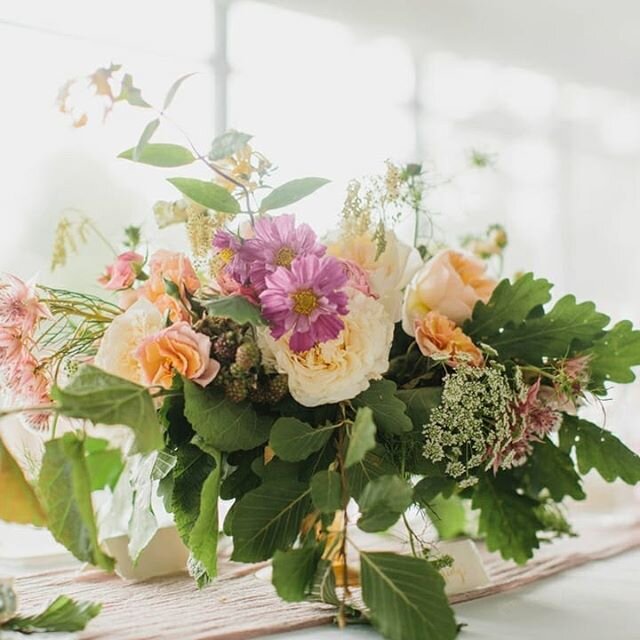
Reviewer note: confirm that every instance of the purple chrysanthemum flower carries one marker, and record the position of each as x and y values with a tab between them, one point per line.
277	242
228	255
307	300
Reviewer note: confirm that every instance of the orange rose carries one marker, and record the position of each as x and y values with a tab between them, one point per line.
437	336
177	349
450	283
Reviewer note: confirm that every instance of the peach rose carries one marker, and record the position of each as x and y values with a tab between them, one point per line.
177	349
438	337
450	283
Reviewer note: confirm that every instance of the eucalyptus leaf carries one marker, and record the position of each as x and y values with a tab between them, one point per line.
207	194
65	487
291	192
228	144
145	138
171	94
94	394
159	154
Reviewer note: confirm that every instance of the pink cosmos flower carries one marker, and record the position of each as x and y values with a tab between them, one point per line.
307	300
277	243
20	307
123	272
227	257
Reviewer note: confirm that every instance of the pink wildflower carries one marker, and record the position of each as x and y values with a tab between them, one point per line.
123	272
20	307
307	300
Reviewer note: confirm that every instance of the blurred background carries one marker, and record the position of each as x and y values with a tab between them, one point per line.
549	92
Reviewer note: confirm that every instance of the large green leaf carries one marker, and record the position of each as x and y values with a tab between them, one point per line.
405	597
291	192
19	501
430	487
372	466
105	465
551	468
568	327
293	440
208	194
237	308
227	144
159	154
510	305
599	449
389	412
294	571
62	615
223	424
96	395
382	502
419	403
65	486
507	519
326	491
614	355
363	437
268	519
448	516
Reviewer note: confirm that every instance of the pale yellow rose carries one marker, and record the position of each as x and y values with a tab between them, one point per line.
389	274
438	337
450	283
338	369
178	349
122	338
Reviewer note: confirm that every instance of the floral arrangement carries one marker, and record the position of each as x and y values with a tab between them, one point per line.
295	376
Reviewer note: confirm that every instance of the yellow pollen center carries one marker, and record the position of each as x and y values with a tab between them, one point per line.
285	257
304	301
226	255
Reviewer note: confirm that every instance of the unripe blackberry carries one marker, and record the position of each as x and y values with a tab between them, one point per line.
247	356
236	390
224	347
278	388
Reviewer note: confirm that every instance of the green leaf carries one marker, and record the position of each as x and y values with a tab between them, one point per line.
146	136
171	94
372	466
131	94
236	308
293	572
613	356
268	519
419	403
194	503
448	516
507	519
208	194
323	588
94	394
382	502
291	192
65	486
62	615
105	465
363	437
228	144
143	524
599	449
294	440
19	502
326	491
222	424
551	468
510	305
160	154
405	597
429	488
389	412
568	327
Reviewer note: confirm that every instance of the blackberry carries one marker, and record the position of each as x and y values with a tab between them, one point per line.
247	356
236	391
224	347
278	388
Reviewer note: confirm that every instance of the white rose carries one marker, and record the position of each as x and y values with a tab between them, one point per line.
450	283
338	369
122	338
389	274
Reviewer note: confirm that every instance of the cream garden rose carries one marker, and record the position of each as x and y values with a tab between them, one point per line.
450	283
338	369
389	274
124	336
